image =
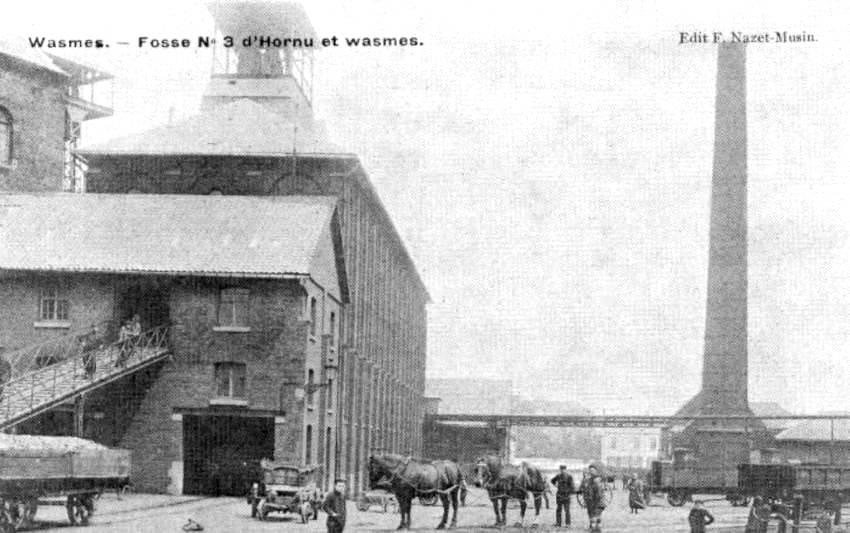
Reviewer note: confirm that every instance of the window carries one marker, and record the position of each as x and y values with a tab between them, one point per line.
230	380
328	453
653	444
233	308
330	394
5	137
333	328
312	317
636	443
311	387
52	305
612	443
308	446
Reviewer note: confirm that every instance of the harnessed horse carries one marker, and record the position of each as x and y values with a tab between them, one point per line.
408	478
509	481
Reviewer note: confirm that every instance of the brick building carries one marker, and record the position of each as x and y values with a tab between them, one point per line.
43	101
255	142
252	289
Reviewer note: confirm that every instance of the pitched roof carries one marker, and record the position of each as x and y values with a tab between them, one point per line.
30	55
239	236
818	430
771	409
242	127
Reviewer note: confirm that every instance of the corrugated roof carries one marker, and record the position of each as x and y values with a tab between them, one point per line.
243	127
818	430
243	236
30	55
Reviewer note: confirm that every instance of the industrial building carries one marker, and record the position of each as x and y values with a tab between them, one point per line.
296	318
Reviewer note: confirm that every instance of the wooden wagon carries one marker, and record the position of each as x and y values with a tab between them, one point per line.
32	476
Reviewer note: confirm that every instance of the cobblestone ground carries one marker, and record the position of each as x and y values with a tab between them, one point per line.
166	514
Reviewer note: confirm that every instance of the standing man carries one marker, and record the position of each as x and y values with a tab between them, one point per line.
699	518
565	488
594	500
334	506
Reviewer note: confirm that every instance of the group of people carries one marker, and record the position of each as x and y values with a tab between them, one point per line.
592	490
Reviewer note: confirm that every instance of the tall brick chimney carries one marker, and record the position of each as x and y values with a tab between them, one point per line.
724	374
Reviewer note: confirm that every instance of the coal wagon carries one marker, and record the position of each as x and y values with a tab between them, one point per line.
798	490
63	471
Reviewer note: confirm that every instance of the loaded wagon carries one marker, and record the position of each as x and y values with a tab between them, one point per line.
798	490
63	471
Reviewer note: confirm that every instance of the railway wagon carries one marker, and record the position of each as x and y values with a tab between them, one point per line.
55	471
681	480
802	488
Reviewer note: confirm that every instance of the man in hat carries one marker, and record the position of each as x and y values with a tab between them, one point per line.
565	488
594	500
334	506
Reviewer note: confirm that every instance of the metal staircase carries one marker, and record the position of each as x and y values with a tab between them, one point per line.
54	372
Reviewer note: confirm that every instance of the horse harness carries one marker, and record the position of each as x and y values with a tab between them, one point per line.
402	467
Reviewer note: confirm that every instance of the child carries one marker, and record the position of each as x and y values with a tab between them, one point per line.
699	518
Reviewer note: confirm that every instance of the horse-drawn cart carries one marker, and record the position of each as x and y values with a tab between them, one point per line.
55	471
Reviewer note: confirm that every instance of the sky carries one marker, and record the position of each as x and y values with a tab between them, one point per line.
548	166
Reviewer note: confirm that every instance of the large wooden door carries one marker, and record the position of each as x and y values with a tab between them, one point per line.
221	454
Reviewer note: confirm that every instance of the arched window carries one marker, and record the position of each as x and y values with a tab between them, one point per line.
308	445
332	328
5	137
311	382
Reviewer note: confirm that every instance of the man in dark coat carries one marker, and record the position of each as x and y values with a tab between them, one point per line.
594	498
334	506
699	518
565	488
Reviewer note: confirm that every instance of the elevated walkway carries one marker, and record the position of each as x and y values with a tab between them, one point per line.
55	372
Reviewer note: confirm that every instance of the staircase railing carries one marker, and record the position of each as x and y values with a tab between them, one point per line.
24	360
62	378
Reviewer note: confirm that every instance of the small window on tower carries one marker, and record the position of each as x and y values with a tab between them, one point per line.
5	137
313	309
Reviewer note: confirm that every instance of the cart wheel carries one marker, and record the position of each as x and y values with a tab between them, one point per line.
677	498
80	509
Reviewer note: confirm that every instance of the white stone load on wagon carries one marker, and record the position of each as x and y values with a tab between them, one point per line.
33	457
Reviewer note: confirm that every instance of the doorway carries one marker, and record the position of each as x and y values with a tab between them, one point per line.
221	454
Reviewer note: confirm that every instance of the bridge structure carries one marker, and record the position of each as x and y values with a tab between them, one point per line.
501	425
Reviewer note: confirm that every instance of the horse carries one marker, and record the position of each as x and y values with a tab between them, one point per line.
408	478
509	481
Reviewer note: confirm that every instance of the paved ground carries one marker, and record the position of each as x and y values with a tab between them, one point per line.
166	514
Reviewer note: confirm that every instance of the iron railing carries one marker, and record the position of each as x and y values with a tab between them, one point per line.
60	378
29	358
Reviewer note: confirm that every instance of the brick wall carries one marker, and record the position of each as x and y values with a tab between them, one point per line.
90	301
383	331
273	351
34	99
